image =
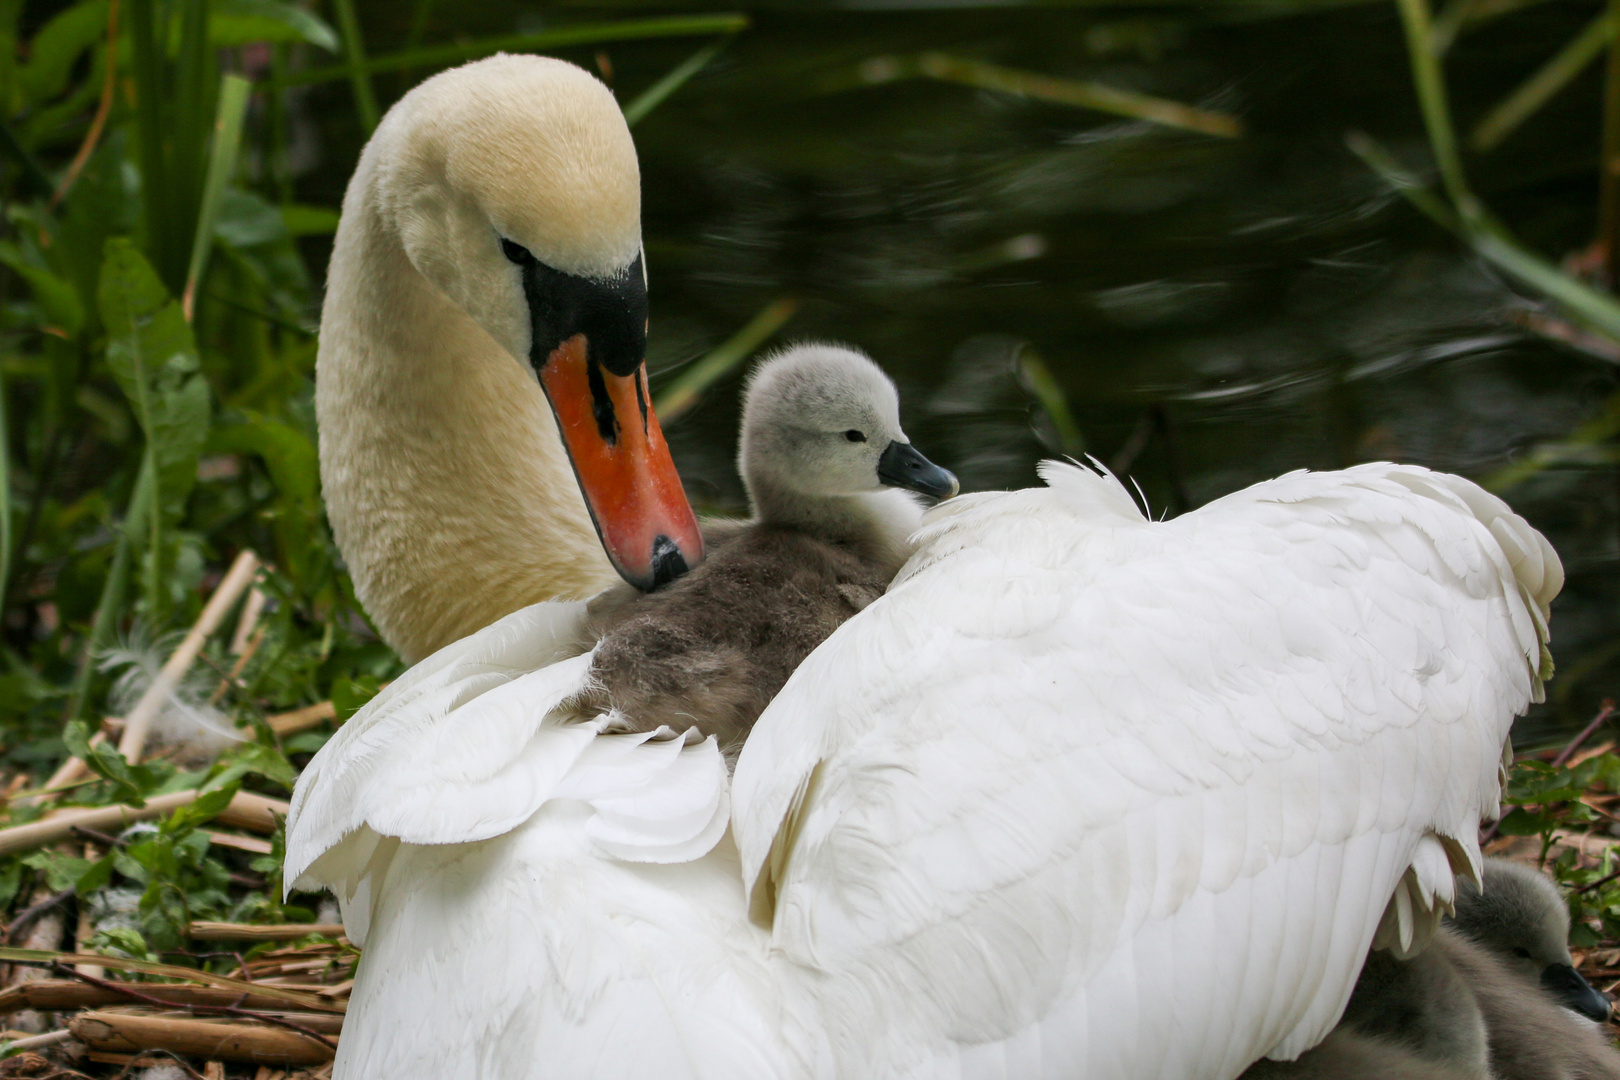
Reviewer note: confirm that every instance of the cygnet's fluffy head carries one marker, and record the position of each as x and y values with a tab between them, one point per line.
523	149
824	421
1521	917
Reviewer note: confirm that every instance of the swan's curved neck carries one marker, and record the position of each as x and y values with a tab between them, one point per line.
446	483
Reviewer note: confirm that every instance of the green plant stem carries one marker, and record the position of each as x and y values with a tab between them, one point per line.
233	102
563	36
1492	243
685	391
650	98
1053	401
1539	88
1085	95
356	67
114	589
1609	161
1431	91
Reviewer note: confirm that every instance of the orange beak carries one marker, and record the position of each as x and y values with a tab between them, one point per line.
623	465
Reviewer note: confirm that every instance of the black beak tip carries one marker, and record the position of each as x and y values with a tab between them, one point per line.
902	466
1574	992
667	562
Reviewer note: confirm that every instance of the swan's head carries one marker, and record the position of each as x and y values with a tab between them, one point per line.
823	420
1520	917
513	187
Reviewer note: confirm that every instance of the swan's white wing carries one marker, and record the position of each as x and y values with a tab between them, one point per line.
536	899
470	743
1088	795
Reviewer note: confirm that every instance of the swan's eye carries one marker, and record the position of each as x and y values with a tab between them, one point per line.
855	436
516	252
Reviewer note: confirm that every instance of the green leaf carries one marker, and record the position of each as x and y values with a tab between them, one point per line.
153	356
256	759
349	696
287	453
242	22
10	881
132	783
59	43
1520	822
204	808
61	871
57	299
305	220
246	220
98	876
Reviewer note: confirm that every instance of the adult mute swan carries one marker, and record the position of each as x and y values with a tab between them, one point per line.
1083	795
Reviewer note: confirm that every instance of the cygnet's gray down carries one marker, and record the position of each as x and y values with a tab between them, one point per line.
821	454
1511	943
1495	996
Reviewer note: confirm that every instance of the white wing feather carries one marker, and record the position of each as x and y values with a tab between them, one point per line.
1089	795
536	898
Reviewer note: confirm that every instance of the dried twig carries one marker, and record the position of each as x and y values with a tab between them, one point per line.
30	915
1586	733
134	1033
245	811
214	1010
224	931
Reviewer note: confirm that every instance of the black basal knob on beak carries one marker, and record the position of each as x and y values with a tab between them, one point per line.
902	467
1573	992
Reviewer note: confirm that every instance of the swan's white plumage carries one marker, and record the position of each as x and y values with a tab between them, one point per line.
1083	795
1087	794
534	896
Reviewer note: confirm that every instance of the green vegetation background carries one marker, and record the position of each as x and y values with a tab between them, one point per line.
157	344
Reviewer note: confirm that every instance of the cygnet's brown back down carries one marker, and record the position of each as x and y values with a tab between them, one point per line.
821	445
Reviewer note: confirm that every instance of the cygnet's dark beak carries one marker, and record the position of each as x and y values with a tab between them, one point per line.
1573	992
902	467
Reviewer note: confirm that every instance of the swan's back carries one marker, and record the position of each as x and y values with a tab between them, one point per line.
1087	794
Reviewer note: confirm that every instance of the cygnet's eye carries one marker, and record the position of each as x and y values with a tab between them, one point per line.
855	436
516	252
1522	953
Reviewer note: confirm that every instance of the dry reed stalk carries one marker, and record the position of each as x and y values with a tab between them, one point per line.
214	1070
128	1033
245	811
248	621
139	722
224	931
290	723
250	844
60	995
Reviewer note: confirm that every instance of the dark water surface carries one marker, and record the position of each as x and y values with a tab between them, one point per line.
1216	311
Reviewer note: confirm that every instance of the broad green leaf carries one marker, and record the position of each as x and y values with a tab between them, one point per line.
1520	822
241	22
132	783
204	808
349	696
246	220
254	758
154	358
57	299
287	452
59	43
61	871
303	220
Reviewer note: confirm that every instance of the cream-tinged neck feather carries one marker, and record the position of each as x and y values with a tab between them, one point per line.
446	483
